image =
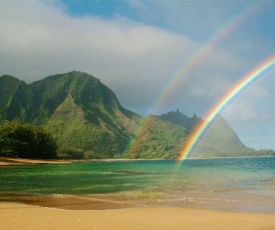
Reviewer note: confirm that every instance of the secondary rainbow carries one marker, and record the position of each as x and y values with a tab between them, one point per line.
197	57
202	51
246	81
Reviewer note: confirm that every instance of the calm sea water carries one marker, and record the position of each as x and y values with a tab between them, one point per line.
236	184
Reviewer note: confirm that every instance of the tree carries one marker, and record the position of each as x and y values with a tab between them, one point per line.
70	153
19	139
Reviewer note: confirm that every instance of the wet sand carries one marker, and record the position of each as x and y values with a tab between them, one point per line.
19	216
114	211
5	161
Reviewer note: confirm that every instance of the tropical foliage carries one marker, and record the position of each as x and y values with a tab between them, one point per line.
87	121
25	140
156	138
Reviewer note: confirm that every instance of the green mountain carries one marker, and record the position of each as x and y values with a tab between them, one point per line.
13	98
81	111
86	117
219	140
156	138
177	117
221	135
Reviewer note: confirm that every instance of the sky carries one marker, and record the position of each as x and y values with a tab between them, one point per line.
156	55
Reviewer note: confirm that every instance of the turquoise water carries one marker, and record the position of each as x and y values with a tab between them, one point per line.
235	184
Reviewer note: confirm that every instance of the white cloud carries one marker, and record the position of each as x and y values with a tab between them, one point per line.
48	40
247	106
138	60
135	60
39	39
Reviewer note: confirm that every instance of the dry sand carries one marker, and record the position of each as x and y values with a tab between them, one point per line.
18	216
21	216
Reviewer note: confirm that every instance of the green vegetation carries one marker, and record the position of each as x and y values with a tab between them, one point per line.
178	118
77	108
87	121
200	152
218	141
157	139
70	153
97	135
221	135
25	140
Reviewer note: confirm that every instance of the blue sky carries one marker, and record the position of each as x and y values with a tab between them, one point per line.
137	47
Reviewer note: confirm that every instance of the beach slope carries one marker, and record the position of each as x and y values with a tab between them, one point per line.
18	216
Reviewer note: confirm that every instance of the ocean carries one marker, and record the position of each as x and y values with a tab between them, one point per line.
225	184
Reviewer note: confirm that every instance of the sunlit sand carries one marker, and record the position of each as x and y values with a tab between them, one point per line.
18	216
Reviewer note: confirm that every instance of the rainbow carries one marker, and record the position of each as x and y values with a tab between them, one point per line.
246	81
196	58
203	50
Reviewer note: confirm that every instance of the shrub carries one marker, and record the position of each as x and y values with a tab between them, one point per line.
19	139
70	153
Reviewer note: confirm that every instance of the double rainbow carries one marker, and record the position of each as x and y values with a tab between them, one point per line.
191	63
200	54
246	81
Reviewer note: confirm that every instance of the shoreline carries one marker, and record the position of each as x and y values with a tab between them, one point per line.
130	210
6	161
126	200
9	161
21	216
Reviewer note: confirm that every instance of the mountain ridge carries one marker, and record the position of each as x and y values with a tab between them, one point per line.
86	115
218	137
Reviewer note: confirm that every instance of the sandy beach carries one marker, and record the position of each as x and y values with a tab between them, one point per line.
126	209
5	161
19	216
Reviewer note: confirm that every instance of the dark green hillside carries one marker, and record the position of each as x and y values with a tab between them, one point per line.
87	91
177	117
80	111
88	118
13	98
95	136
88	121
157	138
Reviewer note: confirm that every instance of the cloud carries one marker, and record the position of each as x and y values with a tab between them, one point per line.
139	54
39	39
248	107
134	59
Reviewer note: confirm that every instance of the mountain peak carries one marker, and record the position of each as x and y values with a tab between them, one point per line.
8	79
222	136
194	116
71	75
8	76
180	119
85	114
